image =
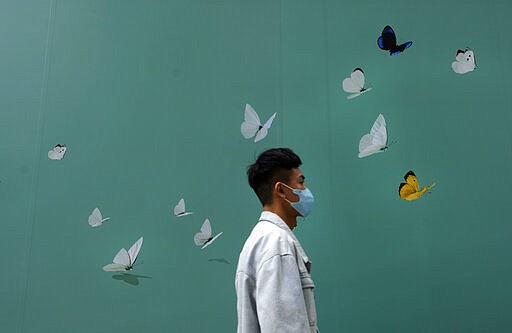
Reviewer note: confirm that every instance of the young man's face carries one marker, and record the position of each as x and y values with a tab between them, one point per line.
296	182
297	179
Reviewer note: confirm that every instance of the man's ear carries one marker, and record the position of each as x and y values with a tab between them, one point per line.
278	189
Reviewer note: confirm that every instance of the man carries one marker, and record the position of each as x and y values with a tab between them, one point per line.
273	283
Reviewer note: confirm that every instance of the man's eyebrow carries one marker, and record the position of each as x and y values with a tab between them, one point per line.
301	177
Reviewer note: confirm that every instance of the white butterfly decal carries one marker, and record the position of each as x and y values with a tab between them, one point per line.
204	238
355	84
124	260
179	209
376	140
96	219
464	61
251	127
57	153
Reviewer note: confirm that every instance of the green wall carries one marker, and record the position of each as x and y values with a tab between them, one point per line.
149	96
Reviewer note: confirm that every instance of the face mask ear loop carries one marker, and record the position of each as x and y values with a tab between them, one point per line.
285	195
287	200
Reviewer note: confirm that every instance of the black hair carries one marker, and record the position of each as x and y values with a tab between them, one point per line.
273	165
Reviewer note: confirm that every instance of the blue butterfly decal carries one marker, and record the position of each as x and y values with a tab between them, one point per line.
387	41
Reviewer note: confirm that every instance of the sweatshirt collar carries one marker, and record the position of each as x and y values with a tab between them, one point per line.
275	219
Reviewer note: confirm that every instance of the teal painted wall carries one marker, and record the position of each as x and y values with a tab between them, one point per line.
149	96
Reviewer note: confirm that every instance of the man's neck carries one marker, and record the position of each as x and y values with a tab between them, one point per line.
291	221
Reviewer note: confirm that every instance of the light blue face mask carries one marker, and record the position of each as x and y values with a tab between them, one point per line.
305	203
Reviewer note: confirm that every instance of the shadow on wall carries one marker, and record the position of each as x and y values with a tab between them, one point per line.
220	260
132	279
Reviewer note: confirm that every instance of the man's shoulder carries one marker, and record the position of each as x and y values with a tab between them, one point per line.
268	233
265	241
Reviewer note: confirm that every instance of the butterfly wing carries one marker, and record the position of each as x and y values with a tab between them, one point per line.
180	207
400	48
380	43
412	180
354	95
460	68
206	228
95	219
133	252
389	33
410	190
461	55
268	123
376	140
251	123
366	146
357	77
202	237
408	193
122	257
350	86
57	153
184	214
262	133
379	132
355	83
387	40
120	263
211	240
52	155
405	190
114	268
464	62
470	58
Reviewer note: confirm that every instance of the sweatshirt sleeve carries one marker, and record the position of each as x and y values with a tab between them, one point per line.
246	306
279	296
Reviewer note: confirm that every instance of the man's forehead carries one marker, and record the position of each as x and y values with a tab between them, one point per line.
296	173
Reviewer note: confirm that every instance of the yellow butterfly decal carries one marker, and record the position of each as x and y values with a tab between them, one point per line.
410	190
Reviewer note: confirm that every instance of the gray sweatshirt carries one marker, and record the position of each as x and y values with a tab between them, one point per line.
273	282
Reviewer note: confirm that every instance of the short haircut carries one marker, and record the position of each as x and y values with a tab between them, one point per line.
272	166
